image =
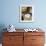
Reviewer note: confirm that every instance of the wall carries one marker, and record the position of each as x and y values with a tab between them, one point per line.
10	13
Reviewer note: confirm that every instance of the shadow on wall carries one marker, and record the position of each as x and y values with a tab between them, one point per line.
2	26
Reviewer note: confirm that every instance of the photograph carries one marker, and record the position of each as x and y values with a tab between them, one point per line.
26	13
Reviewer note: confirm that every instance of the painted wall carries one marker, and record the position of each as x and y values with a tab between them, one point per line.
10	13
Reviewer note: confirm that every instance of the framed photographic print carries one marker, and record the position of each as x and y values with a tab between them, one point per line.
26	13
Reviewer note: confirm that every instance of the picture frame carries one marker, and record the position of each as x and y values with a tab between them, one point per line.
26	13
